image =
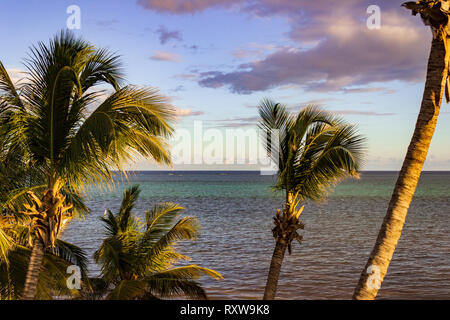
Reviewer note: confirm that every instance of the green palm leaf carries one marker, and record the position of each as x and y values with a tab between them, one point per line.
178	281
5	245
185	229
128	290
138	264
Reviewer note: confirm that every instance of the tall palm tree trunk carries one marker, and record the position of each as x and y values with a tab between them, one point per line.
405	187
274	270
34	269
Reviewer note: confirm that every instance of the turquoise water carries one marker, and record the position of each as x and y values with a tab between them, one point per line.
235	211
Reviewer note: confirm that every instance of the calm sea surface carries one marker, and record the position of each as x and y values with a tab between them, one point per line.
236	209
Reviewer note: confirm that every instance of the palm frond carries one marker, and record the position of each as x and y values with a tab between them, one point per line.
138	264
101	66
118	257
168	288
112	225
275	122
52	278
328	154
185	229
130	196
180	281
188	272
17	198
72	254
132	120
8	92
127	290
162	216
5	245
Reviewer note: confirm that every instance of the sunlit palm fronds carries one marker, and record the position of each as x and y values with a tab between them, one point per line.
131	121
180	281
53	278
58	131
72	254
433	12
275	122
185	229
66	129
127	290
318	148
315	149
9	96
5	245
137	258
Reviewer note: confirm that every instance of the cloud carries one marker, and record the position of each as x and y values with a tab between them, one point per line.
185	6
187	113
321	102
253	50
166	35
166	56
368	90
17	75
263	7
186	76
237	122
179	88
351	55
332	49
362	113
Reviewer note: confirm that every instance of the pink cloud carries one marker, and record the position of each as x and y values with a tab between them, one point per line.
346	54
333	49
185	6
166	56
187	113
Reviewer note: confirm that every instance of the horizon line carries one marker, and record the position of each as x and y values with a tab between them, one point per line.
255	171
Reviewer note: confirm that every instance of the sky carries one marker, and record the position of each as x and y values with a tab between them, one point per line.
217	59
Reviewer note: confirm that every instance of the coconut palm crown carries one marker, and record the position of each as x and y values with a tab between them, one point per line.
314	150
72	132
137	258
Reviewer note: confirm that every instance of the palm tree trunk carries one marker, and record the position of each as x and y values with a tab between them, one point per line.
275	268
405	187
34	269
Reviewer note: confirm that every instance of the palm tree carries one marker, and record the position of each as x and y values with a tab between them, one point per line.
70	137
137	258
314	150
53	280
434	14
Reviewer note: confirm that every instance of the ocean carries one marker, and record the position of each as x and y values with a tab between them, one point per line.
235	210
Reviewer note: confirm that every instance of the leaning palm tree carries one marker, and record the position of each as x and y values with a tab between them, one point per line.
70	136
314	151
137	258
434	13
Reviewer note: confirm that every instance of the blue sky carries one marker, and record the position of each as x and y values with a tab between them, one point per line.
217	59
